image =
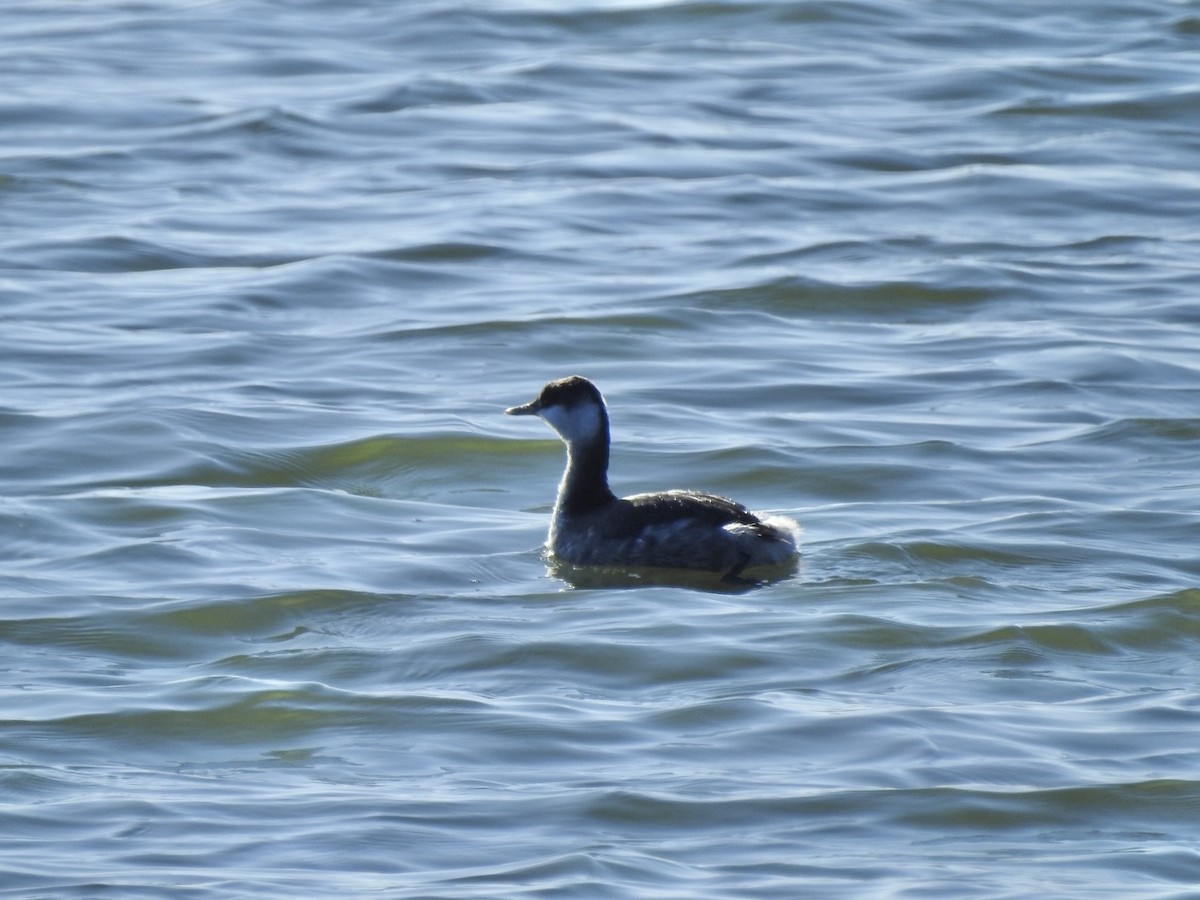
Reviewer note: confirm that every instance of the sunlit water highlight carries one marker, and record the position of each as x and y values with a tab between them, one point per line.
275	617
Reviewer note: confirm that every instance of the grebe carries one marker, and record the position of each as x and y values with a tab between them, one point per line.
674	529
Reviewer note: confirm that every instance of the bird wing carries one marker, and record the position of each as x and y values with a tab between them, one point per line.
643	511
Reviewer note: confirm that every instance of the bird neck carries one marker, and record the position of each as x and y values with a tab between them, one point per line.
584	485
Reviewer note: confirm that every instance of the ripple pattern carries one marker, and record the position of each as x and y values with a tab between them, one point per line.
274	616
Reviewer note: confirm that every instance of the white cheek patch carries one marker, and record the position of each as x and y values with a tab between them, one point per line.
573	422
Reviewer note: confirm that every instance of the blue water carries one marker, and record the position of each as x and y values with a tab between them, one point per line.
274	614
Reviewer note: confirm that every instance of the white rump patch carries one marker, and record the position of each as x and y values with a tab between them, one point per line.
789	528
780	544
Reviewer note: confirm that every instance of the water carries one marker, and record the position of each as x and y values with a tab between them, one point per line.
274	617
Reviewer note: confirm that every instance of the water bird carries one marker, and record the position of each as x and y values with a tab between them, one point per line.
676	529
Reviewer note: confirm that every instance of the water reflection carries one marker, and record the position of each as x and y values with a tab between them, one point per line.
633	577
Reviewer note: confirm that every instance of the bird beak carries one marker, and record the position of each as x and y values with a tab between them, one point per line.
529	409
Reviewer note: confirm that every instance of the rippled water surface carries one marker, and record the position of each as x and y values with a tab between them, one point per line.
274	616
